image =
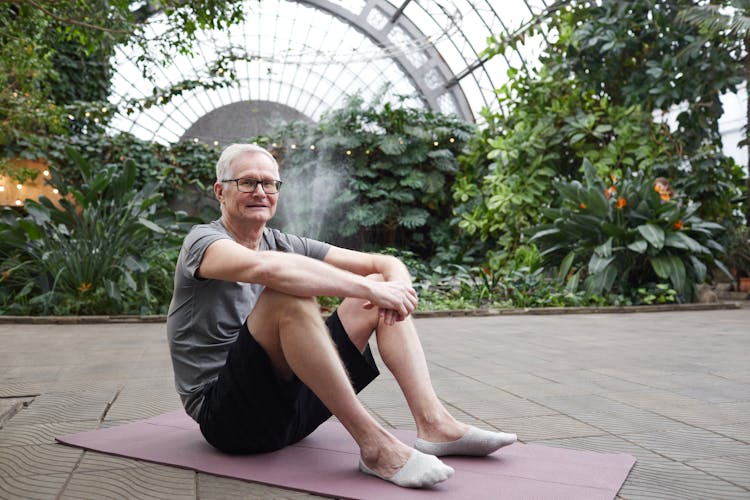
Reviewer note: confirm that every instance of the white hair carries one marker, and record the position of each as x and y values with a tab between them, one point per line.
224	165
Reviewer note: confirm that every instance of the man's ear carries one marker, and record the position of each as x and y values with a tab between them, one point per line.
219	191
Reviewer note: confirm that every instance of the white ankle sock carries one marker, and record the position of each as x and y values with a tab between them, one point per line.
476	442
418	472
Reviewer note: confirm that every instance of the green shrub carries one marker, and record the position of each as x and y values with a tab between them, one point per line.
105	249
623	235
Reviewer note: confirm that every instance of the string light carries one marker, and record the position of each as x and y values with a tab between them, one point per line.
19	187
195	140
2	189
452	139
349	152
56	191
312	147
216	143
436	143
294	146
19	203
45	173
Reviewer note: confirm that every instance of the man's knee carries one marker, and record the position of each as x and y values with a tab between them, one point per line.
281	307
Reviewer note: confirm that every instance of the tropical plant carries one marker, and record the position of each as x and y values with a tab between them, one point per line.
624	234
604	69
103	248
547	128
371	175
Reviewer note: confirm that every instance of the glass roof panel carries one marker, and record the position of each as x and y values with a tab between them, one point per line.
310	54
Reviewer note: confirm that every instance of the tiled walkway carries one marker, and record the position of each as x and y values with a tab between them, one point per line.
671	388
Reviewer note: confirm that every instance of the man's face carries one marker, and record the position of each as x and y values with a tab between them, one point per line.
257	206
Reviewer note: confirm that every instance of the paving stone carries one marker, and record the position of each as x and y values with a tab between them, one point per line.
148	481
735	470
686	445
739	432
65	407
36	460
671	480
38	487
93	461
530	429
10	406
23	389
490	410
15	434
135	403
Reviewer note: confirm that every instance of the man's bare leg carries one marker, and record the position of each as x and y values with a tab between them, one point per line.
292	332
438	431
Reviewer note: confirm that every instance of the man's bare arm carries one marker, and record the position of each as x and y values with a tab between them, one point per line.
302	276
391	268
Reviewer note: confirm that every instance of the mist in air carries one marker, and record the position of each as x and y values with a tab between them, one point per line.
307	203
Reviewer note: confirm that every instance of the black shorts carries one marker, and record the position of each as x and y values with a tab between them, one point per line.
250	409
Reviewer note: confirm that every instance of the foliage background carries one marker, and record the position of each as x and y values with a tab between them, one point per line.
460	201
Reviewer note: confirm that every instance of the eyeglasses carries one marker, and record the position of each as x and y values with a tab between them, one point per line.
248	185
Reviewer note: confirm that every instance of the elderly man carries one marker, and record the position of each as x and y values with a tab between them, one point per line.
258	368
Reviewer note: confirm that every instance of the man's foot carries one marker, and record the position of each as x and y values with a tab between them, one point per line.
475	442
419	471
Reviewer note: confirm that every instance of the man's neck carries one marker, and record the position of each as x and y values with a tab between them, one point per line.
247	235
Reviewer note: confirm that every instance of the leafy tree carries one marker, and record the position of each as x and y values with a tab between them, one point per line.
607	66
727	22
54	56
375	174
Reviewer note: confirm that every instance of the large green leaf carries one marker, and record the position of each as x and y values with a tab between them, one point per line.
413	217
565	265
155	228
671	267
33	231
597	263
678	239
653	234
543	233
605	249
639	246
602	281
699	268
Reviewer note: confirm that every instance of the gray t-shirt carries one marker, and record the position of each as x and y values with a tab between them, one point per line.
205	315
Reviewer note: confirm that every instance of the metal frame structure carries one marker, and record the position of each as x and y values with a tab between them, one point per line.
310	54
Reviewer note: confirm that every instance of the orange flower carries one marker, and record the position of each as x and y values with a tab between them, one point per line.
583	206
664	195
678	225
621	202
613	178
610	191
85	287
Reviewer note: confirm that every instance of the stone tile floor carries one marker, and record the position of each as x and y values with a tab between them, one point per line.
671	388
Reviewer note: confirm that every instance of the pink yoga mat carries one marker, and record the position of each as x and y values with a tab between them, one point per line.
325	463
